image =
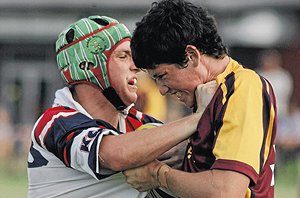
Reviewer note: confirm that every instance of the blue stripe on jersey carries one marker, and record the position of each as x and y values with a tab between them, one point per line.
56	140
150	119
38	159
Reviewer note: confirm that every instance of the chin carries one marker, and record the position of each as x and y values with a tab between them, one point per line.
130	99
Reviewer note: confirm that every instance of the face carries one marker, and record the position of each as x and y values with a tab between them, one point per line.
178	82
122	73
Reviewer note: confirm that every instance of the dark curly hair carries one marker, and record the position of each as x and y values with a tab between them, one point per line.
168	27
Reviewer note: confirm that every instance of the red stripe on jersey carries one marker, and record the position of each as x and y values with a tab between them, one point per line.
70	136
65	157
47	116
135	112
132	124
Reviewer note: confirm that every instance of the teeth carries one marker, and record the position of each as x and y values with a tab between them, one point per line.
133	81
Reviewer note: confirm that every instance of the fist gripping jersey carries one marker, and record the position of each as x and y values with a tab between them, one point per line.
63	159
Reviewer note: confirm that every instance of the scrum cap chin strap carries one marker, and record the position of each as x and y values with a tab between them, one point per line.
112	96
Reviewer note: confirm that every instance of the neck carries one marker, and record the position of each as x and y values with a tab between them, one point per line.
215	66
95	103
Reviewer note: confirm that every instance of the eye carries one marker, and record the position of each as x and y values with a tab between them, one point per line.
159	77
162	76
123	55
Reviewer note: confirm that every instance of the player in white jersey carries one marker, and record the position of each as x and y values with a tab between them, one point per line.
80	145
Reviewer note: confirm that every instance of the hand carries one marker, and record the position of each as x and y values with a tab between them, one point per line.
204	94
147	177
174	156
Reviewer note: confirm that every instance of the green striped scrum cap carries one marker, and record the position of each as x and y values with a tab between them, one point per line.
84	47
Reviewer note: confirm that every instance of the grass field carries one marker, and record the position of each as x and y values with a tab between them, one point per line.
13	179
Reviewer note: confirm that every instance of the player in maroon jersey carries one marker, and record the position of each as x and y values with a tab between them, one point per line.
232	154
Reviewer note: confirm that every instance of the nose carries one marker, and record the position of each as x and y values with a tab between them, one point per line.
133	66
162	89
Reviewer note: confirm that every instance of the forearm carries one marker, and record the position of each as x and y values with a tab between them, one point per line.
206	184
135	149
195	185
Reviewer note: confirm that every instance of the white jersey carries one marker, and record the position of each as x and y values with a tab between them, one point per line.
63	158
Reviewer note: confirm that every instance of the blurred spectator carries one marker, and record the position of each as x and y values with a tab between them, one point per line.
287	127
289	141
6	133
271	68
22	140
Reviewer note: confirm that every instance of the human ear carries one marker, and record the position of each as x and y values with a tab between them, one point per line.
192	54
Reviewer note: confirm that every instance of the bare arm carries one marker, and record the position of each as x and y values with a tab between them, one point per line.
211	183
135	149
206	184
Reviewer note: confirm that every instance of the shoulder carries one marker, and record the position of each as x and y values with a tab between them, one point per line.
54	113
59	117
59	110
247	78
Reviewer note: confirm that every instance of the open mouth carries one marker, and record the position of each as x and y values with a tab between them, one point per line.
132	81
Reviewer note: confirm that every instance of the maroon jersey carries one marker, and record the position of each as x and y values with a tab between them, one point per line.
237	131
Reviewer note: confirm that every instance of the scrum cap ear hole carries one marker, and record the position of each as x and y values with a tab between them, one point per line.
100	21
70	36
90	65
86	65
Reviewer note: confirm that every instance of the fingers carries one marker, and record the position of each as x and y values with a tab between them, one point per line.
130	177
143	178
204	94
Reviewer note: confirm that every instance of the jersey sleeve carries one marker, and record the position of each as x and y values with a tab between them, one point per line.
241	139
73	138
